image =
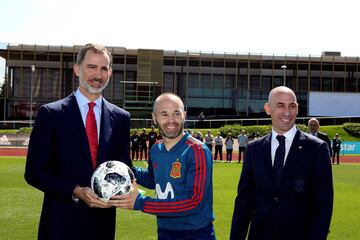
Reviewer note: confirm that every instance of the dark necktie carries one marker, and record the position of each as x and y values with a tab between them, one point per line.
279	158
91	131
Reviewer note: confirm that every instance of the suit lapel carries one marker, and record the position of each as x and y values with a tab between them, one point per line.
267	153
292	163
106	128
267	164
75	123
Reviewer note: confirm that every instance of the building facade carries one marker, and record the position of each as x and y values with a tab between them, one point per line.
222	85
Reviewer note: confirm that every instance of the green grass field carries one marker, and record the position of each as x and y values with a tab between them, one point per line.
20	204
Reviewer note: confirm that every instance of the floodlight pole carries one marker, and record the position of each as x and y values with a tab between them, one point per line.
284	68
31	94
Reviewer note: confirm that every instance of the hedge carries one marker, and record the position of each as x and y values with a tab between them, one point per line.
352	128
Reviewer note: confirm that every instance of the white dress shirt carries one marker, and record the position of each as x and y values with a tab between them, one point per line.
84	108
289	137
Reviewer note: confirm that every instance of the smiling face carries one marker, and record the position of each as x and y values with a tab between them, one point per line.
94	73
283	109
169	116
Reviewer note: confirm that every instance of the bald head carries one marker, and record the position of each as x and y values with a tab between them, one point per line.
313	125
281	89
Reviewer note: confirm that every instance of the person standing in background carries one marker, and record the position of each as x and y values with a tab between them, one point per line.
285	190
209	140
135	145
229	142
313	125
153	136
70	138
336	149
243	142
219	142
198	136
143	145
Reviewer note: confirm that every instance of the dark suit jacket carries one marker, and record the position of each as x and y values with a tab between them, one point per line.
59	159
301	208
325	138
336	144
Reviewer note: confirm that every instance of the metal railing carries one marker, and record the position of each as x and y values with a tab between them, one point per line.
217	123
207	123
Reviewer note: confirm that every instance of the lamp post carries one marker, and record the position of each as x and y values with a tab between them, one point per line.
31	95
284	68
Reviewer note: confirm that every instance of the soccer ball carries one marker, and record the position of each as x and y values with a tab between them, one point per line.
112	178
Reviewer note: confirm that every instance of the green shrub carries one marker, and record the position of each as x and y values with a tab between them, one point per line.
24	130
252	131
8	131
352	128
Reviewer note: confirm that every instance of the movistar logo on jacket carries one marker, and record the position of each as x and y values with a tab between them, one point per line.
164	195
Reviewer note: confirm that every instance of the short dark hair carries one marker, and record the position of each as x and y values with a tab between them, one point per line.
96	48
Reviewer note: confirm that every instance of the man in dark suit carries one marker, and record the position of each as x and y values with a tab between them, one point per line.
313	125
337	147
285	189
69	139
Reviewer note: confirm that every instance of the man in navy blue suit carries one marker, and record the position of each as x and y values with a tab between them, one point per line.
285	189
313	125
59	160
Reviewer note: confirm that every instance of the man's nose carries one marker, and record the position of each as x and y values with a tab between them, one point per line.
98	73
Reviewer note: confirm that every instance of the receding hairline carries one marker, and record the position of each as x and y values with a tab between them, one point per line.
313	120
169	96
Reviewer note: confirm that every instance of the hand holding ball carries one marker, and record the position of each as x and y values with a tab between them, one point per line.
112	178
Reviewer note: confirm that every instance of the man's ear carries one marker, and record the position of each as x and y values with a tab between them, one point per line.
153	118
77	70
267	108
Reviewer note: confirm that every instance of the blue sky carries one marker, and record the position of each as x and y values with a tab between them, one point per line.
278	27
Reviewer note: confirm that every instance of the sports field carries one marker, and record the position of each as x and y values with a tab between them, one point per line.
20	204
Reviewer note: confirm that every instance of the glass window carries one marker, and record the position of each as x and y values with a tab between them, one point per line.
118	79
194	80
169	82
266	83
351	77
218	81
315	77
206	80
254	82
339	77
229	81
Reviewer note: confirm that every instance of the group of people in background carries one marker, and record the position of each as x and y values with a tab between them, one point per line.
142	143
217	142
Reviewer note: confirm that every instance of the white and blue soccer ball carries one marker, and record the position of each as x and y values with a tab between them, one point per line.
112	178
